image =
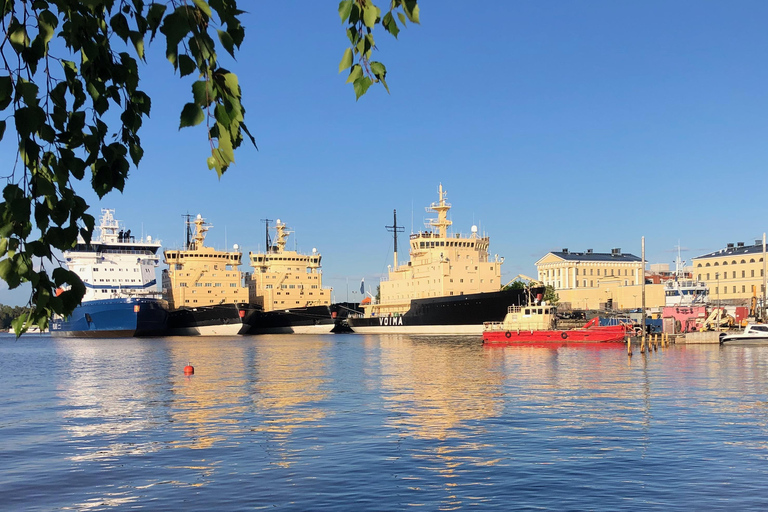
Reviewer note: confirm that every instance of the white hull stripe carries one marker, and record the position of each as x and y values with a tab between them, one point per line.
436	330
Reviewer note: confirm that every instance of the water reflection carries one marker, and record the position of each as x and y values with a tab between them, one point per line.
289	381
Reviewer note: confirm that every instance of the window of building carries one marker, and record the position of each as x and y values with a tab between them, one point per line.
734	274
743	288
734	289
752	272
743	273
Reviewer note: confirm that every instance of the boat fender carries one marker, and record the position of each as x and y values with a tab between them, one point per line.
564	335
508	334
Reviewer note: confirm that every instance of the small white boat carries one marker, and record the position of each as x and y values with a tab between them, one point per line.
752	333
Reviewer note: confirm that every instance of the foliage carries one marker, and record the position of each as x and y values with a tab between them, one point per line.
361	17
550	296
10	313
515	285
67	66
69	92
378	293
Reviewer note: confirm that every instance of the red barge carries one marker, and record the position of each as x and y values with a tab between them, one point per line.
536	324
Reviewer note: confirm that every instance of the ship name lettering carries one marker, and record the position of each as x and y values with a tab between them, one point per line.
388	320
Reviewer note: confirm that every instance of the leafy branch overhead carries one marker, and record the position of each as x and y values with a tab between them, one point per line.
362	16
71	100
65	65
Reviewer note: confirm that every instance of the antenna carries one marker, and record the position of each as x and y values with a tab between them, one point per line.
394	228
266	228
188	230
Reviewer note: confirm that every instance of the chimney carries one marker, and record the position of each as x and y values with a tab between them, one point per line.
589	251
730	246
565	250
616	251
740	244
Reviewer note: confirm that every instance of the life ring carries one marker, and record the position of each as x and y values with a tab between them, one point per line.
564	335
508	334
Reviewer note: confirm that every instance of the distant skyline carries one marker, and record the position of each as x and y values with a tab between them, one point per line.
549	124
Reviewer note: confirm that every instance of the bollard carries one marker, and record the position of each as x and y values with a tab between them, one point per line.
629	347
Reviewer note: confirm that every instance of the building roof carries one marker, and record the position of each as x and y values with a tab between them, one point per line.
734	250
588	255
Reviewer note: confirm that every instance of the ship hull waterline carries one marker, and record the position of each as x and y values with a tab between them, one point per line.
440	316
306	320
214	320
608	334
114	318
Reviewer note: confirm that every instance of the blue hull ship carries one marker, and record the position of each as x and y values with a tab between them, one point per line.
121	297
107	318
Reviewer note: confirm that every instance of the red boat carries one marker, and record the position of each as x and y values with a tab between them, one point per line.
526	324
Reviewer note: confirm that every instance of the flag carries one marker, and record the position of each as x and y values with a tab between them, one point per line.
362	287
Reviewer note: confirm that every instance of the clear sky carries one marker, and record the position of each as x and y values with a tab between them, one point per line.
578	124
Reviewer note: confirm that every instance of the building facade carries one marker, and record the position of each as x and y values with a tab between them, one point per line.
592	280
734	274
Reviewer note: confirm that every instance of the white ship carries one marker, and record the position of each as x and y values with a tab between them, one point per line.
121	296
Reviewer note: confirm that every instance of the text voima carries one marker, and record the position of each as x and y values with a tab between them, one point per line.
391	320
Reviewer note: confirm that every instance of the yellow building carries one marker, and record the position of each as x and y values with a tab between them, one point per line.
284	279
593	280
734	274
202	276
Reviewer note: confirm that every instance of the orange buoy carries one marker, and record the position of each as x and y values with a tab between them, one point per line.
189	370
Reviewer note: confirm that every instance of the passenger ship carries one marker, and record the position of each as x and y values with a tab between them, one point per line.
121	297
204	287
450	285
287	289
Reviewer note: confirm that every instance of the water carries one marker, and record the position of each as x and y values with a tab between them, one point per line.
348	422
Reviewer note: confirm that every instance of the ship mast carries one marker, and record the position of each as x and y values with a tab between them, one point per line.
266	229
394	228
441	207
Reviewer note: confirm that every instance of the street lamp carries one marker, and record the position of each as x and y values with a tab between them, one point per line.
719	311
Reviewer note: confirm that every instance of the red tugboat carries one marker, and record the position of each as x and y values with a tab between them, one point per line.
536	324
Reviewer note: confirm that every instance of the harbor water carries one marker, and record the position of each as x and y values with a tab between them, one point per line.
350	422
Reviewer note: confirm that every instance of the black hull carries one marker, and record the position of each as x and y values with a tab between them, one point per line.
309	320
462	314
216	320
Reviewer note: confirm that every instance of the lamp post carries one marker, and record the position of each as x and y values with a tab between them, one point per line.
719	311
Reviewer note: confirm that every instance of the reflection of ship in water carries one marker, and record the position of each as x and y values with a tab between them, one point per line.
287	287
292	383
204	287
451	285
434	390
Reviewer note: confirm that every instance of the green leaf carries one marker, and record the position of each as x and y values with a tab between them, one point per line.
346	60
191	115
345	7
370	14
361	86
227	42
390	24
354	73
411	8
2	129
378	69
186	65
202	93
138	43
203	6
6	91
402	18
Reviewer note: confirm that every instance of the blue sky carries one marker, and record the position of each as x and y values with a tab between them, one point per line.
550	124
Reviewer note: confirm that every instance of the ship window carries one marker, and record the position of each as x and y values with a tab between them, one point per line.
208	285
218	285
233	285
